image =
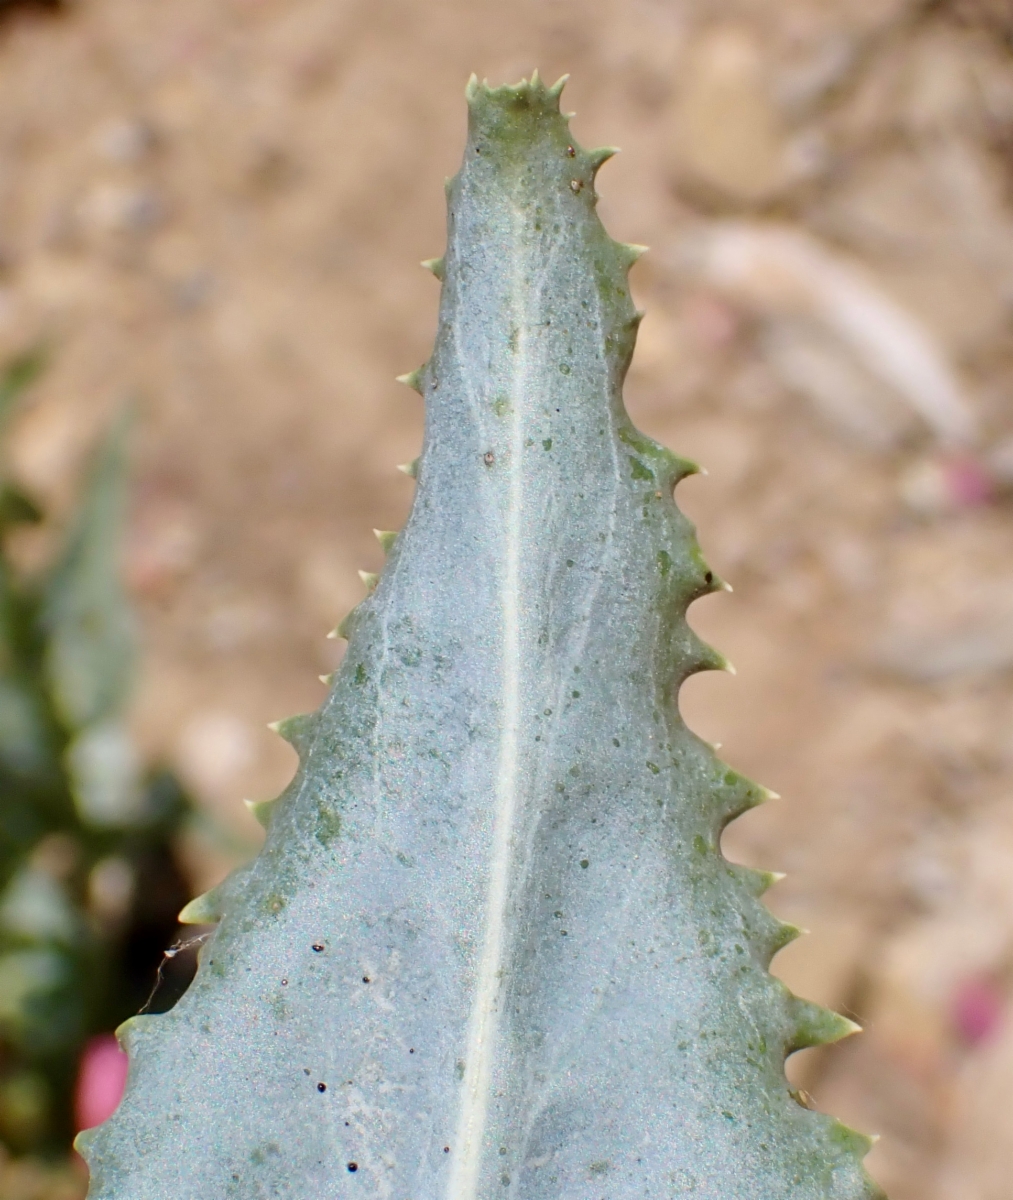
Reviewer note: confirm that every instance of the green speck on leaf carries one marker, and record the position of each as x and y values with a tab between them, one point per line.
547	444
328	825
638	470
664	562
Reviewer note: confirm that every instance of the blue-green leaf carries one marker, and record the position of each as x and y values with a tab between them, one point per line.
490	947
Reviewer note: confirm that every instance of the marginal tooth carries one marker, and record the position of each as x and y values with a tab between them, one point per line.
411	469
327	680
386	538
260	810
819	1026
296	730
435	265
709	659
630	252
726	586
205	909
768	794
413	379
601	156
558	86
684	468
369	579
471	88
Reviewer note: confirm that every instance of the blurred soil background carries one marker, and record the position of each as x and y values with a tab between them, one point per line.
218	207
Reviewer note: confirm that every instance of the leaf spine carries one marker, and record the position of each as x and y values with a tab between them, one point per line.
369	579
411	469
412	379
630	253
598	158
818	1026
205	909
296	730
435	266
386	538
346	625
260	810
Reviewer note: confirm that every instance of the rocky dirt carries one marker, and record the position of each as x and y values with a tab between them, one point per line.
216	208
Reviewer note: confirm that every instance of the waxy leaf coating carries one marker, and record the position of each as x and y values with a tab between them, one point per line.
491	947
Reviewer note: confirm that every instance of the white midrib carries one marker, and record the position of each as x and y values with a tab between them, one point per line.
482	1025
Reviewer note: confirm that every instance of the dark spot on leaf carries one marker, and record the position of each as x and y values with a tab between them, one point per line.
318	947
585	863
353	1167
488	458
365	979
321	1087
547	444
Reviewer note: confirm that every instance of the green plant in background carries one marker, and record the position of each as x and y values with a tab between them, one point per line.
88	884
491	946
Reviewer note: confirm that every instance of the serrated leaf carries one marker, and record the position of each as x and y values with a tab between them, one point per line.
490	947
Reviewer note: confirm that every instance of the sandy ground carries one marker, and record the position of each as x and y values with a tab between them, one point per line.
216	208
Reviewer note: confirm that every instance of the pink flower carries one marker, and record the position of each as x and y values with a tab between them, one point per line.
100	1081
977	1010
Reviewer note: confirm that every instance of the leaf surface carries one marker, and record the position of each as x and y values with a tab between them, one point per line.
490	947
